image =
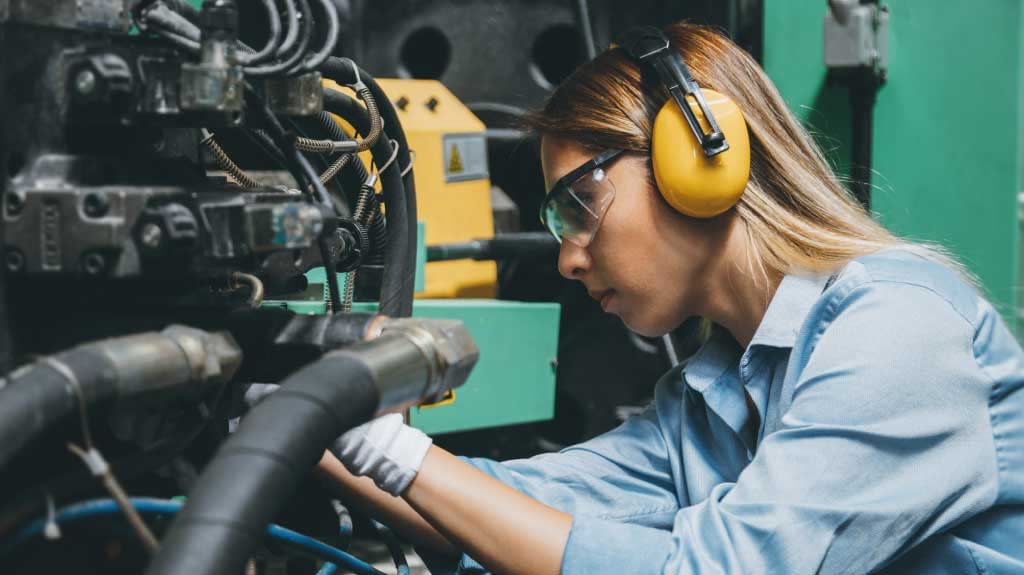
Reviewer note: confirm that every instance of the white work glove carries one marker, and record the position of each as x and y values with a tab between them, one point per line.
385	450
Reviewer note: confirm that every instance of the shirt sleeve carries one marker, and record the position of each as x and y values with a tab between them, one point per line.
624	476
885	443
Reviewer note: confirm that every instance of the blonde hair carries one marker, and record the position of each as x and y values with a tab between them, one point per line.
797	213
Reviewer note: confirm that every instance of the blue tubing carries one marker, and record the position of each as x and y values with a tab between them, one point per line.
150	506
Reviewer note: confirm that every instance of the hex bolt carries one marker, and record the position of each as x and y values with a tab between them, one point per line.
85	82
94	263
152	236
95	205
14	260
14	202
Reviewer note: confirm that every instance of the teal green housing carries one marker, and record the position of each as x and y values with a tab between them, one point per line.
514	380
948	123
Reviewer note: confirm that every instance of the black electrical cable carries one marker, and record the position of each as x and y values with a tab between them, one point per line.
290	63
331	36
308	181
345	72
292	35
399	269
270	48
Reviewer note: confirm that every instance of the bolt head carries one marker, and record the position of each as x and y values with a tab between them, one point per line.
14	202
85	82
95	205
14	260
152	236
94	263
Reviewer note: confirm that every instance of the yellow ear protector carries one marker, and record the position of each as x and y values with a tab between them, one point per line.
700	149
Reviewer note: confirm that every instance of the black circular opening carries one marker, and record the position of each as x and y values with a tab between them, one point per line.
556	53
426	54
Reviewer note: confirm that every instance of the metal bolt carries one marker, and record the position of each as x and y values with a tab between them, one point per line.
94	263
85	82
151	236
14	202
14	260
95	205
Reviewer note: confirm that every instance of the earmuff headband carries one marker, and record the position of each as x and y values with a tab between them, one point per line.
648	45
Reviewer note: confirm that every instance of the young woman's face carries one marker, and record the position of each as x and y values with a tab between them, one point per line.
647	263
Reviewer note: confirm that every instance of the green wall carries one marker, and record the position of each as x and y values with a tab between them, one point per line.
947	131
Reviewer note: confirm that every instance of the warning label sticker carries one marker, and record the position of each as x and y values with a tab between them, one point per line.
465	157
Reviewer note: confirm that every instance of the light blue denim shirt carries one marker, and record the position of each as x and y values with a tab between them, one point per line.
891	439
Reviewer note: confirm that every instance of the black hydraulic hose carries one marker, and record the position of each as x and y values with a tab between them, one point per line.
289	63
292	35
306	178
344	72
331	36
270	48
37	396
190	12
256	469
378	229
399	279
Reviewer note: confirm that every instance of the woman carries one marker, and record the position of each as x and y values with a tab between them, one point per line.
857	408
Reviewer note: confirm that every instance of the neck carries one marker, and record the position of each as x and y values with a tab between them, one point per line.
737	297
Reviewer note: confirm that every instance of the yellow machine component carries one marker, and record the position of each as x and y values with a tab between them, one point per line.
453	186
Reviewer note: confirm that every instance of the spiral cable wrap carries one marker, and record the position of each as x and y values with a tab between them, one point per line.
226	163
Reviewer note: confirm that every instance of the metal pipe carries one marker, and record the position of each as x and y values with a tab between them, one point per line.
175	362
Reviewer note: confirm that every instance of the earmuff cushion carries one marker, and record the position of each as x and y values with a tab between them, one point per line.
689	181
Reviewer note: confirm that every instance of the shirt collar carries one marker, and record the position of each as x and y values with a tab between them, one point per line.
718	354
793	299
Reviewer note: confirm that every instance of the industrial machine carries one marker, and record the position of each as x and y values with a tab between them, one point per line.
201	197
138	254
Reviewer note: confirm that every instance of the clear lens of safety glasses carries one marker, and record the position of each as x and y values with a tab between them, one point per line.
573	212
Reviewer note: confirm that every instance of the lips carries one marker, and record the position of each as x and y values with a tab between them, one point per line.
602	296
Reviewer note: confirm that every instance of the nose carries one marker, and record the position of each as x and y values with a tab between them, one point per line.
573	260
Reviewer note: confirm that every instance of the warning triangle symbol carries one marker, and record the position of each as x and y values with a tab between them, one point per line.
454	161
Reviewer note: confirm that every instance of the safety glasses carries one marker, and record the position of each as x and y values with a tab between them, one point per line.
573	209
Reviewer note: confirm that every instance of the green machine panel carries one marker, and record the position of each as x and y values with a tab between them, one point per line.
947	146
514	381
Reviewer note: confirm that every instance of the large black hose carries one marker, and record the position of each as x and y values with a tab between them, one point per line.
344	72
168	363
256	469
399	279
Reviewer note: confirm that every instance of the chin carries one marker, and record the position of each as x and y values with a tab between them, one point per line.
647	328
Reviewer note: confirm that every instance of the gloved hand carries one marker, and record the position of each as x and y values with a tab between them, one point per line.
385	450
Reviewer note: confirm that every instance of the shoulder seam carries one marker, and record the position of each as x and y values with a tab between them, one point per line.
871	279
